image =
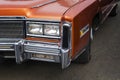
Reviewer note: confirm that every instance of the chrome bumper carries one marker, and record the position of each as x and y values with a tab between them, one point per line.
25	50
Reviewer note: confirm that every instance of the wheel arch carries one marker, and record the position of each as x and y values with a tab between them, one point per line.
96	20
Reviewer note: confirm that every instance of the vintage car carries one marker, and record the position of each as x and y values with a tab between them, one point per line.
57	31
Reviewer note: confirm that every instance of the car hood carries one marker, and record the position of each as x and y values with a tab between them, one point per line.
21	3
43	9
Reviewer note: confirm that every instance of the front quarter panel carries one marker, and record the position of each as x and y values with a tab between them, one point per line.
81	15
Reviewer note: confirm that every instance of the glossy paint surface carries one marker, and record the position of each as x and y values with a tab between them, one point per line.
52	10
78	12
80	16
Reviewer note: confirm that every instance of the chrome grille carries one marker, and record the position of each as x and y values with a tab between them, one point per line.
41	49
11	29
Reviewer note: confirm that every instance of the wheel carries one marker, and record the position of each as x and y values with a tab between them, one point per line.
85	56
114	11
95	24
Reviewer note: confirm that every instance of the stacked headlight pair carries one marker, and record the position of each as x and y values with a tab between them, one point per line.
36	28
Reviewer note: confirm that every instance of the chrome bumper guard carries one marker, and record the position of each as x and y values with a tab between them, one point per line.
25	50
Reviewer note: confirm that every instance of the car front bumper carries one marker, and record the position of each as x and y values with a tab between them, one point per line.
35	50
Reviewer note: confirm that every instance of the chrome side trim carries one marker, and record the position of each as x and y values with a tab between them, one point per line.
41	42
42	22
46	20
80	52
43	36
11	17
10	39
8	56
23	18
6	49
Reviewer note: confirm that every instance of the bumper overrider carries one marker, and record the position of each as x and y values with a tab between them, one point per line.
37	50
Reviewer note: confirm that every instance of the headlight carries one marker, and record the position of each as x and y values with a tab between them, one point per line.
40	29
35	28
51	30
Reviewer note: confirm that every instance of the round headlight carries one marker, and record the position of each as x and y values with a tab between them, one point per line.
35	29
50	29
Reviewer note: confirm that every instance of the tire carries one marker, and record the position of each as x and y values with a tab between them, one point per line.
85	56
114	11
95	24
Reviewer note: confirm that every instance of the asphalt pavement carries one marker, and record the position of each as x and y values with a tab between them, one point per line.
104	65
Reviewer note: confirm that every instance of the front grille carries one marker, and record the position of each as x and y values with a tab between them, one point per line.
11	29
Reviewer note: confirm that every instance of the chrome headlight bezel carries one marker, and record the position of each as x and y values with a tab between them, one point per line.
43	34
